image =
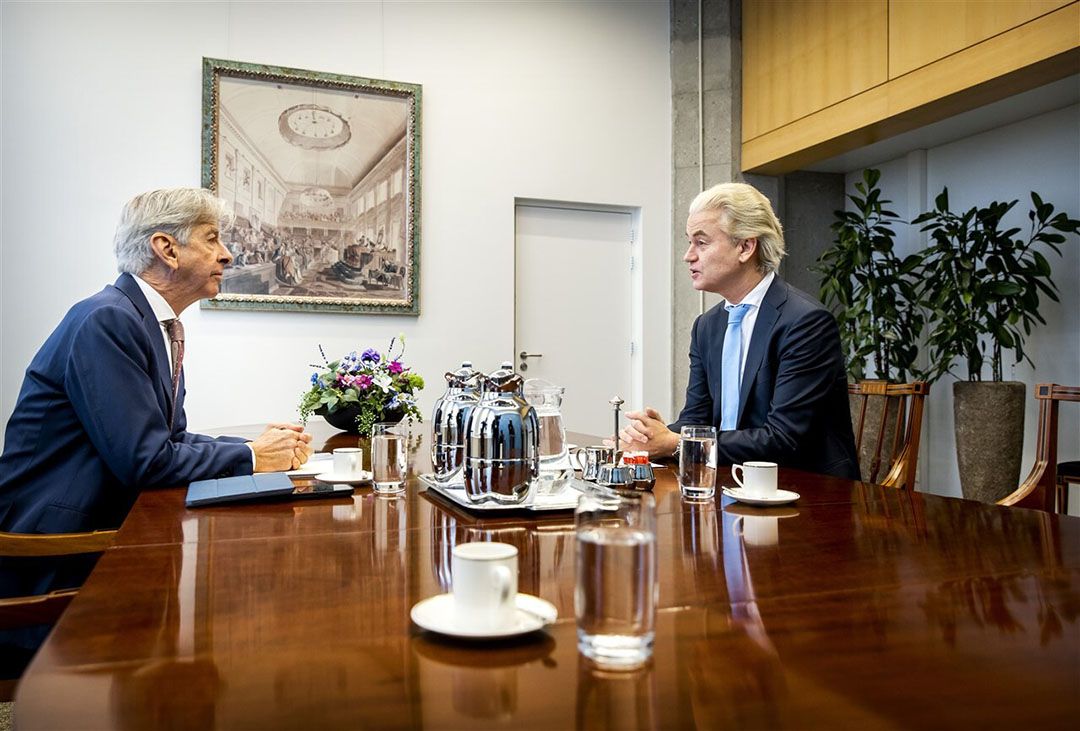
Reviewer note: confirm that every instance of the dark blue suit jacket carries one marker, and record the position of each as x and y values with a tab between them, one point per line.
91	425
793	402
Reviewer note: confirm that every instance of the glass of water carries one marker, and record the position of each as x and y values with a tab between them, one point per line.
615	594
697	462
387	458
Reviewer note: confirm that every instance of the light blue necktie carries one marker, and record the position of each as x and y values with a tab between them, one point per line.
731	367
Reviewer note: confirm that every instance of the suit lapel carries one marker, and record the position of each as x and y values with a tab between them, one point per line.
759	340
162	362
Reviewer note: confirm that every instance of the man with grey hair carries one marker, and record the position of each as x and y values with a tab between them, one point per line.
765	365
101	412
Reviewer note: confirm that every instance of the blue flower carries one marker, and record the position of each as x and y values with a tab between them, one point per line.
393	403
370	356
314	378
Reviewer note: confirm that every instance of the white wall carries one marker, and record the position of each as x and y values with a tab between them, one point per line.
1041	154
567	101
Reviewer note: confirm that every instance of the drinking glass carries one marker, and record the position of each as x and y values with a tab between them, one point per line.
697	462
616	589
387	458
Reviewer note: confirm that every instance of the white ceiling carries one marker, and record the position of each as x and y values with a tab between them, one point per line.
1056	95
377	123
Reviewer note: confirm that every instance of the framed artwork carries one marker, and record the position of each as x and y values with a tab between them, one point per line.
333	222
229	164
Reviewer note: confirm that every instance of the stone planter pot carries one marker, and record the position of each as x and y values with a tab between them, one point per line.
989	421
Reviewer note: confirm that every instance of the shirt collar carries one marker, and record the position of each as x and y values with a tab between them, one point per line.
162	310
757	294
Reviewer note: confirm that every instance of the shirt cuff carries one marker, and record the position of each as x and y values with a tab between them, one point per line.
253	465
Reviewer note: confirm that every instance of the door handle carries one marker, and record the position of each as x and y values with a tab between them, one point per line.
524	355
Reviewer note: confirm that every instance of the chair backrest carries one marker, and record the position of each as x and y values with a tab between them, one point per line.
887	418
1038	490
25	611
28	611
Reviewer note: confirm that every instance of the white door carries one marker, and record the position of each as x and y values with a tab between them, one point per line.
573	308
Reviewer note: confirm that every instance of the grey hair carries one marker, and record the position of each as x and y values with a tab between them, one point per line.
747	214
175	211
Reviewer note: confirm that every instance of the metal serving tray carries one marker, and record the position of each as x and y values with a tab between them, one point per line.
539	498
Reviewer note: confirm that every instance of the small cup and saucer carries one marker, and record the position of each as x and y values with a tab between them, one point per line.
348	468
757	486
485	603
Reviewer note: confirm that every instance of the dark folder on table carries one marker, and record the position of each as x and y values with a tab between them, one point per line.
235	489
261	486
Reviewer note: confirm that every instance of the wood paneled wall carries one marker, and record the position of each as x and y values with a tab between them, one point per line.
822	77
799	57
923	31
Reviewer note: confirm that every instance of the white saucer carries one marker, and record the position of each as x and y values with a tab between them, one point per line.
436	614
782	497
344	479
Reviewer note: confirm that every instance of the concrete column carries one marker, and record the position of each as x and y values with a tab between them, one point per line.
703	153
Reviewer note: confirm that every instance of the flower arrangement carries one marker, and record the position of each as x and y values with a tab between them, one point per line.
365	389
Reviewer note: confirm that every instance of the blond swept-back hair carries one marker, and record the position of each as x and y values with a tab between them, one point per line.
175	211
746	214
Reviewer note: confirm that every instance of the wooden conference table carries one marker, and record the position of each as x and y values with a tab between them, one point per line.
858	607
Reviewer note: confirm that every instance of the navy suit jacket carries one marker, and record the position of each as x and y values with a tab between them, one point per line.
793	402
91	425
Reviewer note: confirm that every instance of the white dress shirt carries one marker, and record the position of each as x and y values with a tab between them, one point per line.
754	298
162	311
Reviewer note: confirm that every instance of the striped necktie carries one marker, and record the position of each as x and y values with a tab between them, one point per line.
175	330
731	368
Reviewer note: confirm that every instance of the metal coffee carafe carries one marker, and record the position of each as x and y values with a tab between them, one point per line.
502	452
450	420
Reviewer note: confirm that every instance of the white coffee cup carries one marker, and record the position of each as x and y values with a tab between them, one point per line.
348	462
485	576
758	478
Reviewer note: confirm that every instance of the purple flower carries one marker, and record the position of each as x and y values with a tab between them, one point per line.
370	356
363	381
395	367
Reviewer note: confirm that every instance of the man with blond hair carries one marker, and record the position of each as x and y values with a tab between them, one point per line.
765	365
101	412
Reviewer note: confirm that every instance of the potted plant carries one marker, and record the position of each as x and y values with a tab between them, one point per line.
982	286
871	290
358	391
874	296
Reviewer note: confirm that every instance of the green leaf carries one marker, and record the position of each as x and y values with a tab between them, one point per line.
1006	288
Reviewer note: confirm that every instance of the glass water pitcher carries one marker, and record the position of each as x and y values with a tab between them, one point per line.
546	398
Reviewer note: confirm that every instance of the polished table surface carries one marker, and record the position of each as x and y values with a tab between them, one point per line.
857	607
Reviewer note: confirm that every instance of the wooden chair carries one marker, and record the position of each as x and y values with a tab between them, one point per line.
28	611
894	456
1042	486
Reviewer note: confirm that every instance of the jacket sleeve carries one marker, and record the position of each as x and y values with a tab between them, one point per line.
181	434
809	360
699	405
109	379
